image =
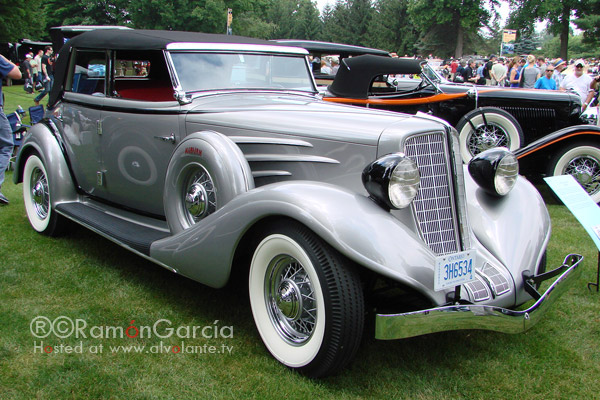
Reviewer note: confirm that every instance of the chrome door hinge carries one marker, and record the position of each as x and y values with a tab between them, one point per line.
99	127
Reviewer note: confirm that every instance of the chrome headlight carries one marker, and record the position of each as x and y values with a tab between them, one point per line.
495	170
393	180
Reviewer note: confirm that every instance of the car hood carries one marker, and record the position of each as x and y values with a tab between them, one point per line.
510	93
297	115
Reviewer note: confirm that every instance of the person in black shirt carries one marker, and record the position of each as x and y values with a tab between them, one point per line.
469	74
47	74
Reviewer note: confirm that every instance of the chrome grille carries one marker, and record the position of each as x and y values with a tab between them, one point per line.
433	205
497	281
478	290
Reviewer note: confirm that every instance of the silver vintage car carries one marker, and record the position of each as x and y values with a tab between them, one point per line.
214	156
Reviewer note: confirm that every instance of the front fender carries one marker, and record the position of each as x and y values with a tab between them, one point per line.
562	135
41	140
515	228
349	222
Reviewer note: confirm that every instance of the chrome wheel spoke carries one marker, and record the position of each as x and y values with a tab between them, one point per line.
289	295
199	196
486	137
586	170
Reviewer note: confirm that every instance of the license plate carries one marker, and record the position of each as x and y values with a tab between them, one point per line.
454	269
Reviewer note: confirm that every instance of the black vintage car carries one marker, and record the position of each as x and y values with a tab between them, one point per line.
484	116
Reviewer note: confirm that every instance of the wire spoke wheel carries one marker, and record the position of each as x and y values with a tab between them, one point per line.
291	300
581	160
40	195
485	128
586	170
199	197
486	137
37	198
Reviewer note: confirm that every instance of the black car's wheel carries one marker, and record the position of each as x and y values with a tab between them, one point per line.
582	161
306	300
37	198
485	128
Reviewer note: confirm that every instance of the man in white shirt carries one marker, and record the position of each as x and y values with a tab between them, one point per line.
498	73
579	82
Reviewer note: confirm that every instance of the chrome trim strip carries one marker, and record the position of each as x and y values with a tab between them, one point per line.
289	158
263	174
269	140
459	189
236	47
471	316
195	95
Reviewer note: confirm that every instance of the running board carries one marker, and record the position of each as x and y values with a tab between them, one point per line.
126	233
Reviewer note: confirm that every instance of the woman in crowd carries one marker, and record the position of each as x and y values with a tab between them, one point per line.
514	71
530	74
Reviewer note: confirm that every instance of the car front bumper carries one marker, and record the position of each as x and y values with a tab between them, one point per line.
473	316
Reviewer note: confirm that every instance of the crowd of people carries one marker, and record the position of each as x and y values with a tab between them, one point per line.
528	72
38	72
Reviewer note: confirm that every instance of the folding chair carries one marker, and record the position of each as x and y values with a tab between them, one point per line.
18	130
36	113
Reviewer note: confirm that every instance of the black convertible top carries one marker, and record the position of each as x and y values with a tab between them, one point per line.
130	39
356	74
152	40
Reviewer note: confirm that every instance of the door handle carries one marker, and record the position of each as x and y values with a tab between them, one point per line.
166	138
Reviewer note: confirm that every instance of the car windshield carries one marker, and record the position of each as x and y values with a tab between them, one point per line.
200	71
431	74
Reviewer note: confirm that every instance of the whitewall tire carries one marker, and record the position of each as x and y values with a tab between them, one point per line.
485	128
582	161
307	304
38	200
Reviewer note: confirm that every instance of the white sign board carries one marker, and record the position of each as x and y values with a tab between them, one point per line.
581	205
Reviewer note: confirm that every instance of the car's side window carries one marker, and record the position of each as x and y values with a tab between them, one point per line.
87	73
142	75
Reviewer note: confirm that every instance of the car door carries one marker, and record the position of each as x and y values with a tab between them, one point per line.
140	129
80	113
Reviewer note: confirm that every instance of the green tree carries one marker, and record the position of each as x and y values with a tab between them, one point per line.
85	12
556	12
360	15
450	24
294	19
389	30
589	23
21	20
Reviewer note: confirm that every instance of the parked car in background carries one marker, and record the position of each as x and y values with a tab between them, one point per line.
484	116
215	157
331	51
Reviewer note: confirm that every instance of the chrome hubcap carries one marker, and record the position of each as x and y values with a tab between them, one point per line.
40	197
195	200
290	299
586	170
199	195
487	137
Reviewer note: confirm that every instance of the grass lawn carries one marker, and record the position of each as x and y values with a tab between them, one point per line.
88	279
